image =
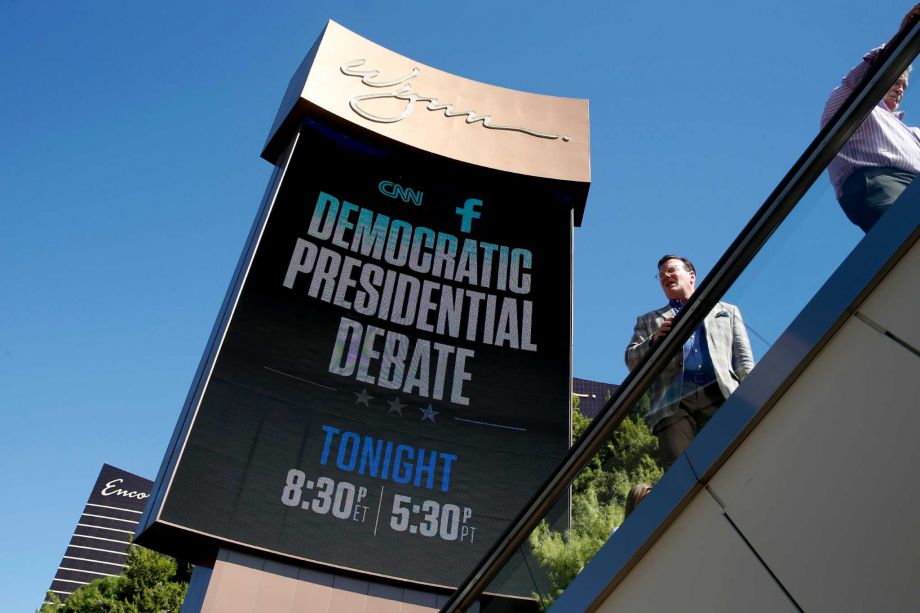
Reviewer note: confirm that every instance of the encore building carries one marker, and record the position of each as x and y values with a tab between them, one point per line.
591	395
99	545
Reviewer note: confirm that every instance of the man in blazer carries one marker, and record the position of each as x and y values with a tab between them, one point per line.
714	361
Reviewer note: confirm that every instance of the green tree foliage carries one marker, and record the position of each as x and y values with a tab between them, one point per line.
598	496
563	555
626	458
150	584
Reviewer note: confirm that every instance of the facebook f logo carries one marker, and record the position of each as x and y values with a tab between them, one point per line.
468	212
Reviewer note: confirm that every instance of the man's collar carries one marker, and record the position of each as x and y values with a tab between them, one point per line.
899	115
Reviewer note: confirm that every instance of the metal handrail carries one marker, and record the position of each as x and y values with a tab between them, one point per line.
894	61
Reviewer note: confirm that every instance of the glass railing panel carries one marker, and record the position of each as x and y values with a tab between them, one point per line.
821	231
792	266
789	270
556	552
774	285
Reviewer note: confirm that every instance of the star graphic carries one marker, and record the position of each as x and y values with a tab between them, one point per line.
363	398
396	406
428	413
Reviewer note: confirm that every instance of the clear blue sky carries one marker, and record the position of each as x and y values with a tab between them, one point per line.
130	174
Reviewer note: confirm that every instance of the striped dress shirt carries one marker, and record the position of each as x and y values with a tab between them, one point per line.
882	139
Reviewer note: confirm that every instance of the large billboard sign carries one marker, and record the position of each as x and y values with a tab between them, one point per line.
390	379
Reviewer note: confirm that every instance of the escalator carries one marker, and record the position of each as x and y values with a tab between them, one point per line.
798	494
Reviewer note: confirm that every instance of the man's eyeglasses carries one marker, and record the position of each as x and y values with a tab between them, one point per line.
670	271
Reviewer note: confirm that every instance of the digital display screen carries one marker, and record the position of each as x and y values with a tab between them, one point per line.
393	383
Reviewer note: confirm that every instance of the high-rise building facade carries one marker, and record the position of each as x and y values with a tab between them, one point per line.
591	395
99	545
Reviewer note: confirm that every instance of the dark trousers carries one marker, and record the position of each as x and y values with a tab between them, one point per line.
697	405
868	192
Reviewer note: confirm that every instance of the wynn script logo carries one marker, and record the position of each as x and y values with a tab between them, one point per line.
404	92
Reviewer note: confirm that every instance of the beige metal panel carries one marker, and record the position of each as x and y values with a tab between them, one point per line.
277	587
401	99
349	595
700	564
417	601
893	304
825	487
313	593
232	589
243	583
382	598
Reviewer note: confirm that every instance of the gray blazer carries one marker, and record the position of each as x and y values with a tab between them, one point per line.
729	348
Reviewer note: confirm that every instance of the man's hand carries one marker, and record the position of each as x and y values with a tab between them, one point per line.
911	15
664	329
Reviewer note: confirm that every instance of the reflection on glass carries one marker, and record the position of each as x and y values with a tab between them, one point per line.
539	582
